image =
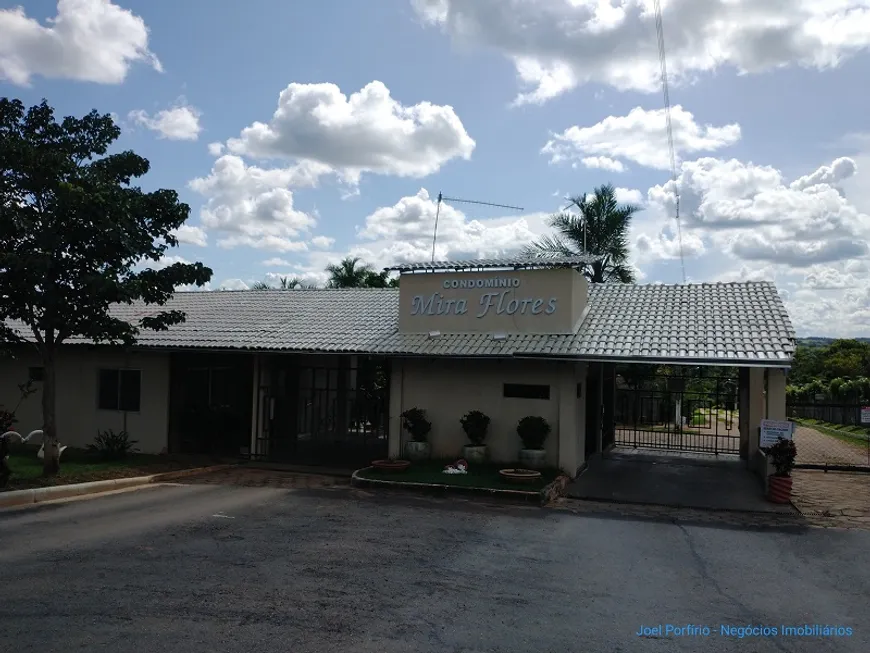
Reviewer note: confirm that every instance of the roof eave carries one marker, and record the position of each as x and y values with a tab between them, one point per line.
706	362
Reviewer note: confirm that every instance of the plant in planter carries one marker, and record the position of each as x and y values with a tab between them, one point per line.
475	424
782	456
533	431
415	423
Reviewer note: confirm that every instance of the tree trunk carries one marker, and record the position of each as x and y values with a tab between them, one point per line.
51	459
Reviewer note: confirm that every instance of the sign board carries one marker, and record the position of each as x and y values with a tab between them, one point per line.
772	430
865	414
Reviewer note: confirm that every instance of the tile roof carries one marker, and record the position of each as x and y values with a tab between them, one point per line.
489	263
338	320
727	323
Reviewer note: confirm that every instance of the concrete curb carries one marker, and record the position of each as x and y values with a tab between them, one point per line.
533	496
42	494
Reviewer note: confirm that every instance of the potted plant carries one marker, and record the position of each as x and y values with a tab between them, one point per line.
475	424
781	455
415	423
533	431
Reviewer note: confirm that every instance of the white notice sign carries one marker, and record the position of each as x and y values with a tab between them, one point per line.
865	414
772	430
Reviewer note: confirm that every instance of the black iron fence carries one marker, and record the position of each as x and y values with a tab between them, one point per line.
691	410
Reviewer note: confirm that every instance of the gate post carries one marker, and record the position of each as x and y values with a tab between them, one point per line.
394	421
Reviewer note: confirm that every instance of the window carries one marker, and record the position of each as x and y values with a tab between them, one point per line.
36	374
524	391
119	390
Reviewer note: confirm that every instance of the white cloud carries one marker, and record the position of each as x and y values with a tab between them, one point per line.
368	131
253	206
601	162
191	235
639	137
406	229
750	211
277	262
628	196
322	242
215	149
178	123
233	284
558	45
88	40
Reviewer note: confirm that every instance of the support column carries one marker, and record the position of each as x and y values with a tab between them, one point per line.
568	458
255	407
608	400
776	394
743	411
394	446
757	460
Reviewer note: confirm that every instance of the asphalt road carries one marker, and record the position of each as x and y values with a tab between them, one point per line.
220	568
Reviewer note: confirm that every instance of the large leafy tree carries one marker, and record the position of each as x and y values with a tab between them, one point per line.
74	233
599	227
351	272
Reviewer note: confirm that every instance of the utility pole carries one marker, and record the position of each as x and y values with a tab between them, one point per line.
441	198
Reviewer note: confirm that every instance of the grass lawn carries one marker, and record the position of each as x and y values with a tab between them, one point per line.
479	475
78	466
857	435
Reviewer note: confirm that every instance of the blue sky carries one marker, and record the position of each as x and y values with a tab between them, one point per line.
512	101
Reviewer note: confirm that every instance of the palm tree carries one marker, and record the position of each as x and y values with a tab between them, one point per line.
600	229
286	283
351	273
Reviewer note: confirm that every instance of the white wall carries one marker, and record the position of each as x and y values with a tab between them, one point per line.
447	389
78	418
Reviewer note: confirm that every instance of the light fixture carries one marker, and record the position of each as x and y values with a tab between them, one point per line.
499	336
434	334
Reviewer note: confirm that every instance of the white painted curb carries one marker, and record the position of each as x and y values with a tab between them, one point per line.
42	494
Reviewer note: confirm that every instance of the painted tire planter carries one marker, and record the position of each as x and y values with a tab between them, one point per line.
391	465
533	458
520	475
779	488
415	450
474	453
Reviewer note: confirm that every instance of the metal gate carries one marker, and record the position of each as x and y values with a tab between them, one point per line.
688	409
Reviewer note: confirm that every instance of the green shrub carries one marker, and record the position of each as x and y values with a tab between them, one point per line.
110	445
415	422
475	424
533	431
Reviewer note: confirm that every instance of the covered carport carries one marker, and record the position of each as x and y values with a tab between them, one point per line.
682	381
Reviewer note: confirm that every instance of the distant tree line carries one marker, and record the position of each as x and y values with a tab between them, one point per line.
839	371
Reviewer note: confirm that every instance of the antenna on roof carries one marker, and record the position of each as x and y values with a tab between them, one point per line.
660	34
441	198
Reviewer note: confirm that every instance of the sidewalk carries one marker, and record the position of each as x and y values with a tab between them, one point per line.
833	499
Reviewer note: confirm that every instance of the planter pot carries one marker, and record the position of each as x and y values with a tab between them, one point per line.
417	450
474	453
779	488
533	458
520	475
391	465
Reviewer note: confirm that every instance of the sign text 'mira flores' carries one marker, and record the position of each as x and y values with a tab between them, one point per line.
501	302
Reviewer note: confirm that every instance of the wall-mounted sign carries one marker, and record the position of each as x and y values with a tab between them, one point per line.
865	414
772	430
500	303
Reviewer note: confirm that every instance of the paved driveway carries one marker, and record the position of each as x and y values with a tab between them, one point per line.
228	568
814	447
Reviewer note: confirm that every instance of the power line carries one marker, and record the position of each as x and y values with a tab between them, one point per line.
660	34
441	198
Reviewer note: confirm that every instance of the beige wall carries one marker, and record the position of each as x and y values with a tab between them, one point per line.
78	418
447	389
545	301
